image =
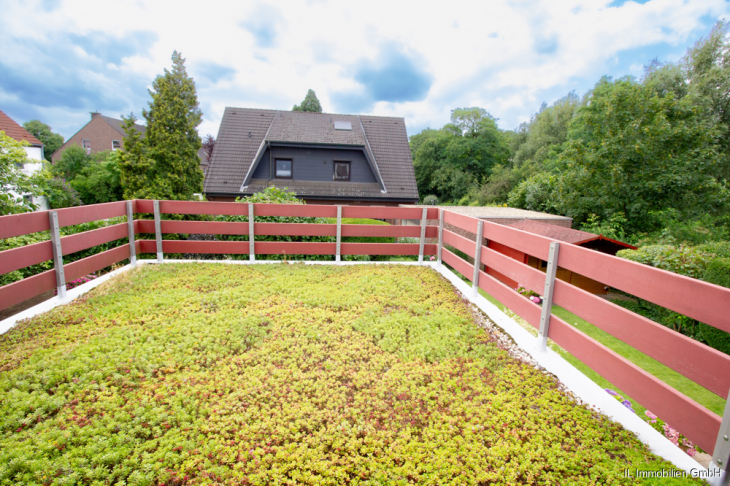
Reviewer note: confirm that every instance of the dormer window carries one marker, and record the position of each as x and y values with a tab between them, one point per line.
342	170
284	169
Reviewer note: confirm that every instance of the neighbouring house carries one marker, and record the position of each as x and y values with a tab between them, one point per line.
100	134
323	158
105	133
560	234
34	152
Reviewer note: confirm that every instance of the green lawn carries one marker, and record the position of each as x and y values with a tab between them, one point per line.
288	374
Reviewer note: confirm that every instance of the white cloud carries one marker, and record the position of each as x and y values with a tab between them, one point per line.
503	55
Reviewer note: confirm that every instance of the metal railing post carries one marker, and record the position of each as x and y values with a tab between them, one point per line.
477	257
339	232
57	254
158	231
422	242
547	302
130	226
722	447
251	247
441	234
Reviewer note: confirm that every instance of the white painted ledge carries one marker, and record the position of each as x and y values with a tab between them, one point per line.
578	383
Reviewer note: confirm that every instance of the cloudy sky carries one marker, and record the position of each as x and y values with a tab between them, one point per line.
62	59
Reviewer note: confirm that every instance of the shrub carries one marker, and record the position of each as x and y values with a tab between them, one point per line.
718	273
273	195
431	200
684	260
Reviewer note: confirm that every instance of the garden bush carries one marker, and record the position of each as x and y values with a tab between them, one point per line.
288	374
23	240
718	273
273	195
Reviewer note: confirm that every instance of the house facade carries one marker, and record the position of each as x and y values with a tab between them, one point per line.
323	158
101	133
34	151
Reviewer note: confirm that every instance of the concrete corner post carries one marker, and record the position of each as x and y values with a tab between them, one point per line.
339	232
477	257
422	242
130	227
721	455
57	254
441	234
158	231
251	247
547	302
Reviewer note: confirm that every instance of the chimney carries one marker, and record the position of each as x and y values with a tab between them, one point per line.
94	114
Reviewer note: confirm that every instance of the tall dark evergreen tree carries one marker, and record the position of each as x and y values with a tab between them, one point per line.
310	104
165	163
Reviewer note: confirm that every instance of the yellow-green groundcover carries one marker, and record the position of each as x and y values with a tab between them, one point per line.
288	374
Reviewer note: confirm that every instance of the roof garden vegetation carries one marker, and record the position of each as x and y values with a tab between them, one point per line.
288	374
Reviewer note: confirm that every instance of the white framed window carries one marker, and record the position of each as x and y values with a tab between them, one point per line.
86	144
116	144
284	168
341	170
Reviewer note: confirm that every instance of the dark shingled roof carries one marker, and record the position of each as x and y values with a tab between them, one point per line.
118	125
244	132
17	132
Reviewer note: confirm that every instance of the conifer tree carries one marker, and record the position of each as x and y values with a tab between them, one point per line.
165	163
310	103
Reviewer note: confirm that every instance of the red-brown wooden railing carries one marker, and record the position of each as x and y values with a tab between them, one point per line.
702	301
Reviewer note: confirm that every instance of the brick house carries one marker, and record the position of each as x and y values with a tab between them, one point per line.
323	158
101	133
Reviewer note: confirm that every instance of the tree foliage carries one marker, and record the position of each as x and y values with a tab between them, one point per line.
450	161
94	178
165	163
14	183
646	159
310	104
638	154
41	131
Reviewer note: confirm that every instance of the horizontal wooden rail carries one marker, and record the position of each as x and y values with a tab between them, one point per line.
25	289
93	263
285	248
684	355
23	224
459	242
202	247
699	300
697	423
284	229
467	223
83	241
25	256
195	207
387	212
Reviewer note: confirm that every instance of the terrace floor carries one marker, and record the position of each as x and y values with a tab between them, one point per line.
290	374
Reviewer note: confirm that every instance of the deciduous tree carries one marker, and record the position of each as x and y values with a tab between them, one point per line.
41	131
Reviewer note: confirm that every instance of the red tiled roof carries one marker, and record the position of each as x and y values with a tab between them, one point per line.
555	232
13	130
559	233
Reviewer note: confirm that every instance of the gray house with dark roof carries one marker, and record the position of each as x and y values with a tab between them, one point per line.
323	158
